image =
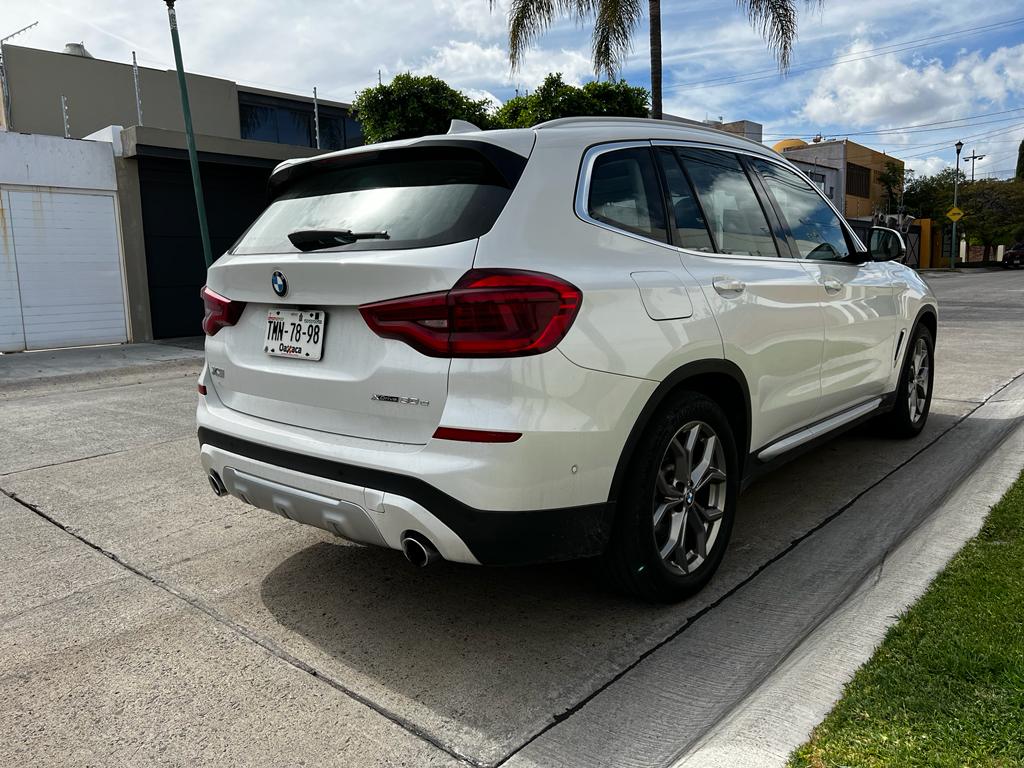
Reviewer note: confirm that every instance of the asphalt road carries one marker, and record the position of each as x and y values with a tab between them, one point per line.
143	621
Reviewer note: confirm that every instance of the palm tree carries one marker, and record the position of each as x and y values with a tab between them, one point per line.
616	20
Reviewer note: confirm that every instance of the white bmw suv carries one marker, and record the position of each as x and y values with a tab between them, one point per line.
581	339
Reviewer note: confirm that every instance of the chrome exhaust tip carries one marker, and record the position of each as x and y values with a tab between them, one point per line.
418	550
217	484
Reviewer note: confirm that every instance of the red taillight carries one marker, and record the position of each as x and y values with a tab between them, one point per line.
489	313
220	312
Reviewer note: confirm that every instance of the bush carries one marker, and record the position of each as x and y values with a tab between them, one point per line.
412	105
555	98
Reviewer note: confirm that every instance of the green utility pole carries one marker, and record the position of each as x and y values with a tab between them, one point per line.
190	137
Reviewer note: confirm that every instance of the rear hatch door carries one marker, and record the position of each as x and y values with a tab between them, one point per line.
409	220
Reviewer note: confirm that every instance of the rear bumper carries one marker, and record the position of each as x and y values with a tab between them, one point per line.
377	507
544	497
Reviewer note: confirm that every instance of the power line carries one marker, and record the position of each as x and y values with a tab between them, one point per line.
882	48
975	137
907	45
912	128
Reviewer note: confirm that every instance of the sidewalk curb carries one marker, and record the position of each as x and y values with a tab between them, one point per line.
778	716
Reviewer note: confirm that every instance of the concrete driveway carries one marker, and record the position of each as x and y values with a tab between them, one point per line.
143	621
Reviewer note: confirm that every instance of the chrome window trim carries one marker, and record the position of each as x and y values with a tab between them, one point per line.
583	193
782	163
581	208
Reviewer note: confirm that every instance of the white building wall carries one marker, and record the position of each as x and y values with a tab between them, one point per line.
61	262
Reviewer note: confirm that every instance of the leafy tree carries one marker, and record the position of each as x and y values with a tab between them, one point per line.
891	180
412	105
555	98
929	197
1020	162
993	211
616	20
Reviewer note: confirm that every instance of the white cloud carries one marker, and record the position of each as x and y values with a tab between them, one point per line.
926	166
475	17
339	45
885	91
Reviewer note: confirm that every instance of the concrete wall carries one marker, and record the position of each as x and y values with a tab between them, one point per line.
748	129
134	244
60	244
134	137
102	93
47	161
839	154
876	161
832	187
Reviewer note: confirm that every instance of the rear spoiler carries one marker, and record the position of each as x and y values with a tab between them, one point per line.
508	165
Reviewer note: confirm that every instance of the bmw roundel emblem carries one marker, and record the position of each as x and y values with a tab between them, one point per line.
279	284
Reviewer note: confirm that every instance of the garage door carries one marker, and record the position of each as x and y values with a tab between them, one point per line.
60	270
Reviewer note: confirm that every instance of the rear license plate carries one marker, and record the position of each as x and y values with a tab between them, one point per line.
297	334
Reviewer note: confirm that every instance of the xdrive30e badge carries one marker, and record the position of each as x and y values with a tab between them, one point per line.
399	400
279	283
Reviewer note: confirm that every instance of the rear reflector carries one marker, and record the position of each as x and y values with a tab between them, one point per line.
475	435
219	311
201	389
489	313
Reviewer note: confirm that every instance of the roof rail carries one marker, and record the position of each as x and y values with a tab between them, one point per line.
563	122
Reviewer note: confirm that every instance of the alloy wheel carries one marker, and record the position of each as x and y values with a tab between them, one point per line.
689	497
917	381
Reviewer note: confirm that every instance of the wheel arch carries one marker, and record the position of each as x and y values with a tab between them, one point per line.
718	379
929	318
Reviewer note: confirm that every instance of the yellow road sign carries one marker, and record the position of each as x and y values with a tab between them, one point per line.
954	213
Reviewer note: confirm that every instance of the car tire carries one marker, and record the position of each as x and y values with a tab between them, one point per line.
682	486
914	391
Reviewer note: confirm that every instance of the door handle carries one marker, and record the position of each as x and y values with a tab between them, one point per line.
832	285
728	287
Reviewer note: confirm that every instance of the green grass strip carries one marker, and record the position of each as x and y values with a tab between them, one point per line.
946	687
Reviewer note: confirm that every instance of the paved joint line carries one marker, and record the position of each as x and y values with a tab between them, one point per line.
37	388
691	620
6	617
94	456
249	635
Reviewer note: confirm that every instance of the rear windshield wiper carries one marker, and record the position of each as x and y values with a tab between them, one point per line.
316	239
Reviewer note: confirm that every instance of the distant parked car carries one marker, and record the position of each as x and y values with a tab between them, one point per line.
1014	256
574	340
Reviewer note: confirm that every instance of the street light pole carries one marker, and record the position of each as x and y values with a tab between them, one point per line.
190	138
954	250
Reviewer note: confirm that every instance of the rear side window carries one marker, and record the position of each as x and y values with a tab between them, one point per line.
625	193
419	196
734	214
689	229
815	226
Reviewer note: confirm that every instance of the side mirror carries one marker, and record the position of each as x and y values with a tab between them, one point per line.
887	245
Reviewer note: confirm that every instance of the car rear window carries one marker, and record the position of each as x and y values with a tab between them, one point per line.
419	196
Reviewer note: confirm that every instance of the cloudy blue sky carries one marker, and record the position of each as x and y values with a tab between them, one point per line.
865	69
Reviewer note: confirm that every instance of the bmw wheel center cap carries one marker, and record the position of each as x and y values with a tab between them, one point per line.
279	284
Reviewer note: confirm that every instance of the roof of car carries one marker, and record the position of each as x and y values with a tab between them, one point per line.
583	131
628	128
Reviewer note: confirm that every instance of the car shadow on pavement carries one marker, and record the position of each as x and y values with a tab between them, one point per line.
474	653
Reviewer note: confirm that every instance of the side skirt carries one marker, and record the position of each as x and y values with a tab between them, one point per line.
755	467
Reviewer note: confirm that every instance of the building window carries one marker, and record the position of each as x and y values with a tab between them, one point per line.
858	180
818	179
288	121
